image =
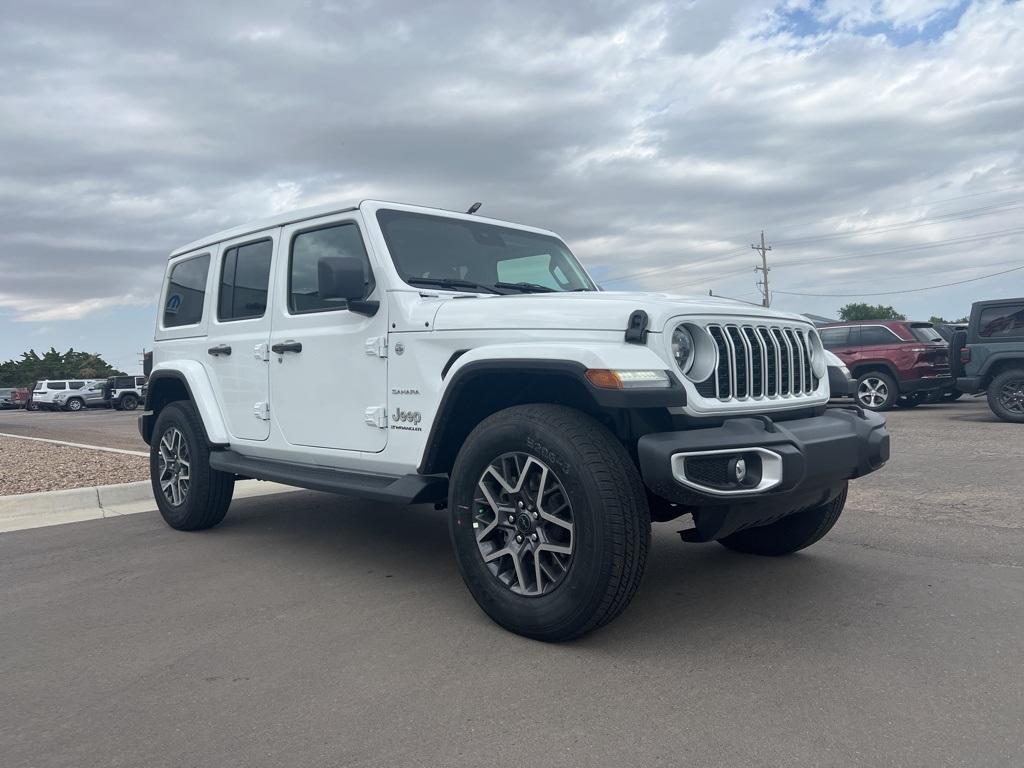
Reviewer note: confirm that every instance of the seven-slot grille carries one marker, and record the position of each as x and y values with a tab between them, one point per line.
756	361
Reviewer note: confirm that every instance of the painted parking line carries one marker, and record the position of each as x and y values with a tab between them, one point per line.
75	445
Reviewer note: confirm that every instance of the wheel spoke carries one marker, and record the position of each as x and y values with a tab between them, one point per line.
522	513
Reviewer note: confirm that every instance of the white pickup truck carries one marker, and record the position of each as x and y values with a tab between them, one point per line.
409	354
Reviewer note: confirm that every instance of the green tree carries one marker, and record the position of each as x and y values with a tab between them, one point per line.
936	320
869	312
54	365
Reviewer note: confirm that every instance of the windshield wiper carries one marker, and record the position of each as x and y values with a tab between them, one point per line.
526	287
452	282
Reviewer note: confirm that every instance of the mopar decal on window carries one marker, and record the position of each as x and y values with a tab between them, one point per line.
173	302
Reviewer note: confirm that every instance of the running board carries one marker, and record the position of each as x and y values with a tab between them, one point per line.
399	489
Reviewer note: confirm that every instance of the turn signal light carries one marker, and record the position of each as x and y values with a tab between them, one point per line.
628	379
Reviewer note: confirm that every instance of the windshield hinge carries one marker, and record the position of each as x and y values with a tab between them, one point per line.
636	328
377	346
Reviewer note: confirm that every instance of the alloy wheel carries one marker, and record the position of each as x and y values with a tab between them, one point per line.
1011	396
175	469
872	392
523	522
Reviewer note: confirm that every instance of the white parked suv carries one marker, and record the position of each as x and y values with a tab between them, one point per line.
474	364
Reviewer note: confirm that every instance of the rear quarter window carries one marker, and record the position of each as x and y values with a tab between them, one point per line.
1001	322
186	292
877	335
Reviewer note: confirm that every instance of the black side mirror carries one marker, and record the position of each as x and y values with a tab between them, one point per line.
341	277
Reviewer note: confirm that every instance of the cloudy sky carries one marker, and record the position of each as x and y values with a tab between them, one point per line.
880	145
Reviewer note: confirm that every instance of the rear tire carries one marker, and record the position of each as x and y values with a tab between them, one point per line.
74	404
952	395
876	391
128	403
791	533
909	401
584	519
1006	395
190	495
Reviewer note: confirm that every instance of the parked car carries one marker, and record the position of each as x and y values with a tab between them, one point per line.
410	354
89	396
895	362
840	381
125	393
13	397
989	356
46	395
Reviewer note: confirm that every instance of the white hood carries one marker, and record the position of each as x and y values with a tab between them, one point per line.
605	310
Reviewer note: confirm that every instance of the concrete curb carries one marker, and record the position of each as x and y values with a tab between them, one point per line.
72	505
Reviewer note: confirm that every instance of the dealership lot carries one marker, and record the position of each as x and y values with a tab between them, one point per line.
99	426
315	630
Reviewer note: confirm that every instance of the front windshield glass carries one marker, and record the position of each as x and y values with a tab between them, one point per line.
474	256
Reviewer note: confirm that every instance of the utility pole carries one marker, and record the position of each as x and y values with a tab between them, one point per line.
763	269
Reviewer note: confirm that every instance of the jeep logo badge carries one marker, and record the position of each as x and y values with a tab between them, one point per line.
412	417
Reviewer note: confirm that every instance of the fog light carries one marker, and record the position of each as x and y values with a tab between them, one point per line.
738	470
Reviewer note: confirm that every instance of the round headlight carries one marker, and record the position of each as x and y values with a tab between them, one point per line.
819	363
682	348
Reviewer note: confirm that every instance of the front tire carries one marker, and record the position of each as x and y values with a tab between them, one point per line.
791	533
876	391
1006	395
549	521
190	495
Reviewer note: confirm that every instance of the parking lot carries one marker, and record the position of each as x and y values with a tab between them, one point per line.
311	630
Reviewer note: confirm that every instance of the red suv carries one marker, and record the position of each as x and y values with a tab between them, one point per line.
895	362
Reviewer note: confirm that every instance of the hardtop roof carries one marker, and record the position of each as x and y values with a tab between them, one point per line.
315	212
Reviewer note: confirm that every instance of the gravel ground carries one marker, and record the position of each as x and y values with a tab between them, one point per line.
27	466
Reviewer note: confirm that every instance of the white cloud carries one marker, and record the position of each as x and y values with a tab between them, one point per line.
658	137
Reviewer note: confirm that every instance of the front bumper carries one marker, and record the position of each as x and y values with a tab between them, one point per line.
840	384
811	460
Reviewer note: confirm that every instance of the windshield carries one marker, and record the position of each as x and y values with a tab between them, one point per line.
926	333
474	256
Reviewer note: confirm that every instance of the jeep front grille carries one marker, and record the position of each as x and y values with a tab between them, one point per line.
759	361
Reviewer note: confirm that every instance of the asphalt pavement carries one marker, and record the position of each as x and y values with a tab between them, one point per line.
96	426
312	630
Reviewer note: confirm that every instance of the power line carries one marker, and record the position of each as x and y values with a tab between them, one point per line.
967	239
961	215
906	290
926	221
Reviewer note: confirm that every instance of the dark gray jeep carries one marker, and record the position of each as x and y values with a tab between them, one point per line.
989	356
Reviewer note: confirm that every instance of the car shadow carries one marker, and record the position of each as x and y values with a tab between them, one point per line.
690	595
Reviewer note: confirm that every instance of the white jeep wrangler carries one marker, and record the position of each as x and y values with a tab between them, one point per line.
473	363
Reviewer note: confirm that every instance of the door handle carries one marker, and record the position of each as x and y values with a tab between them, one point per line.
220	349
288	346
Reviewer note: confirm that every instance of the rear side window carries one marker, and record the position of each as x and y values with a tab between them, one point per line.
244	279
307	250
186	291
55	385
1001	321
76	384
834	337
877	335
926	333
